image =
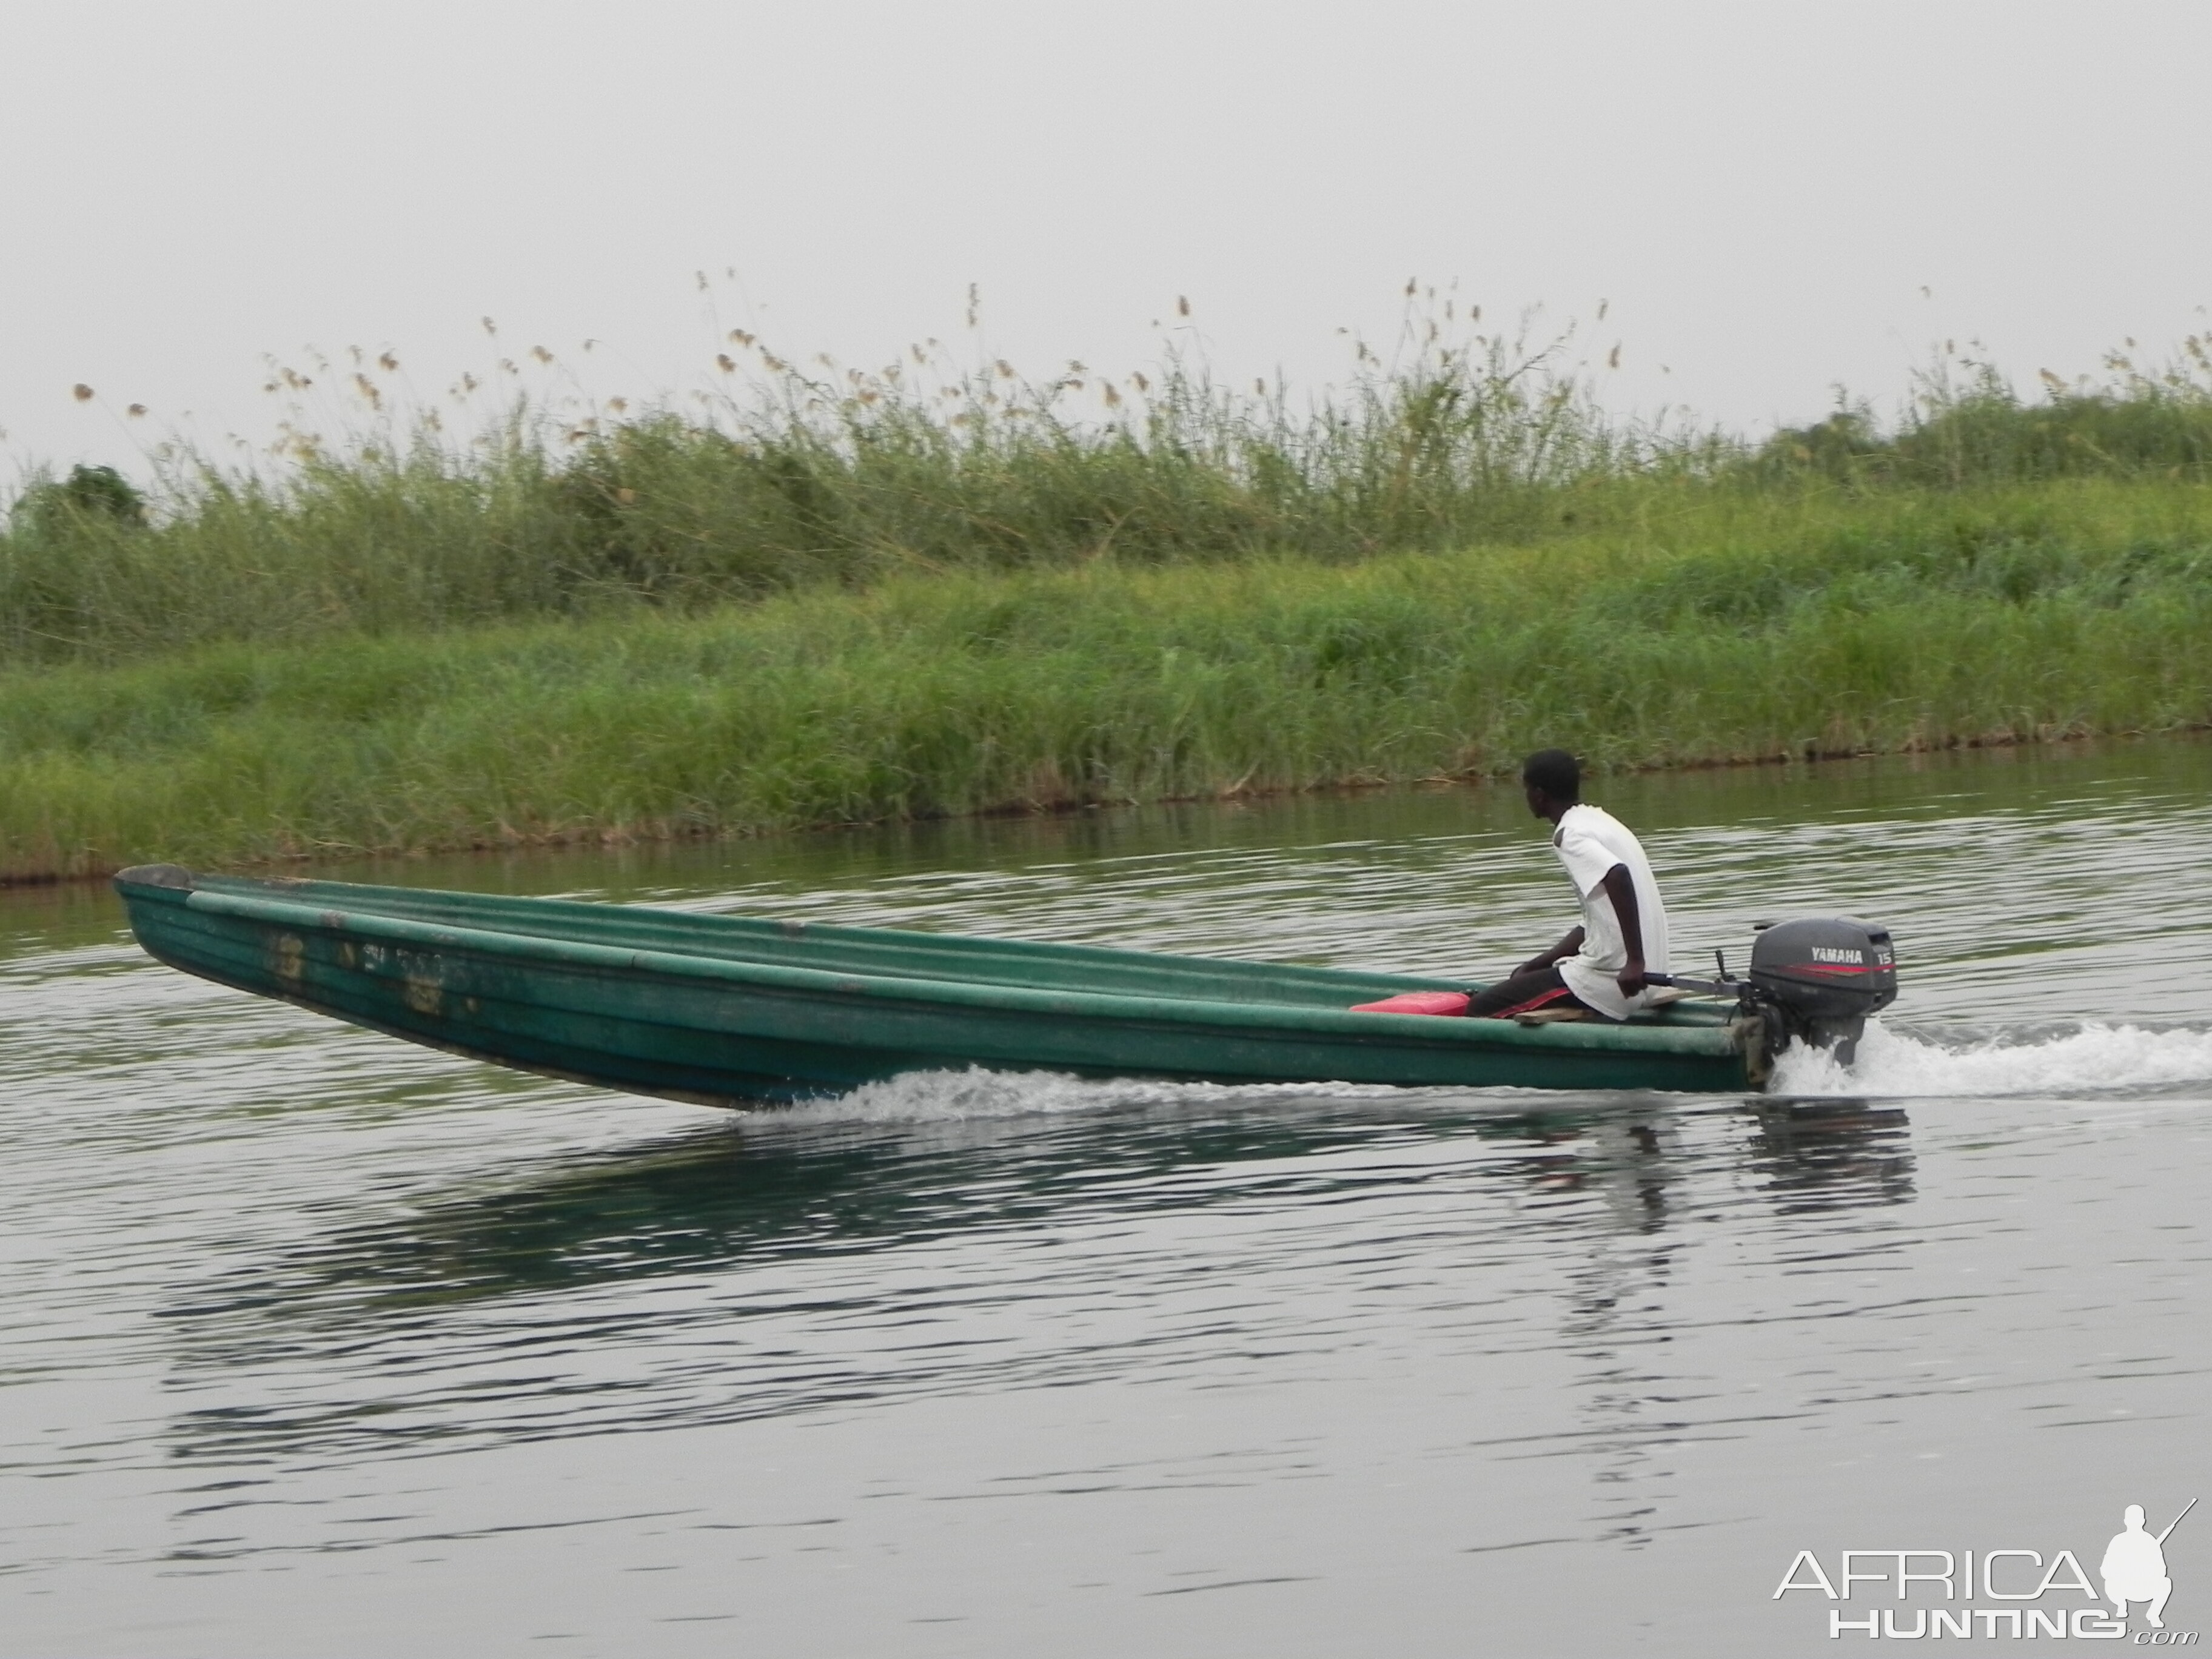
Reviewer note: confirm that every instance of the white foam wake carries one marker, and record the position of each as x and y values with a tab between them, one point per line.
954	1097
975	1094
2094	1059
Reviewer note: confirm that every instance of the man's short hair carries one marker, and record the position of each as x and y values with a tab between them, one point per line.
1555	772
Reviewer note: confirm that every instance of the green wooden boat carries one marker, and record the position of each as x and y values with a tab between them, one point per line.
729	1010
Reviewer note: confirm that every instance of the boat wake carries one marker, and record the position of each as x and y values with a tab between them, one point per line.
2091	1060
976	1095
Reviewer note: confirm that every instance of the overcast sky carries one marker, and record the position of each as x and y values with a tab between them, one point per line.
1775	197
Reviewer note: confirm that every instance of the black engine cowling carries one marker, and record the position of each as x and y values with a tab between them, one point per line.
1818	978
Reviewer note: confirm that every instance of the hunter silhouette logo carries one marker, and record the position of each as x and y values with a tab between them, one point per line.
2134	1568
2132	1571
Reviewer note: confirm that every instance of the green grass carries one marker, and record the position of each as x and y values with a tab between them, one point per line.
846	480
808	481
1693	621
913	592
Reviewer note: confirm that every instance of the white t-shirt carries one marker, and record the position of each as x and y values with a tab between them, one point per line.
1590	841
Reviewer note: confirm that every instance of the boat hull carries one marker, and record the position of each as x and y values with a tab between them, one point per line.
728	1010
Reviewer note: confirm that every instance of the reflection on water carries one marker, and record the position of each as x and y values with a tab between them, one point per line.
637	1246
723	1192
312	1331
1832	1153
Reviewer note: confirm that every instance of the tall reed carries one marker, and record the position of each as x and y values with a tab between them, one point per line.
846	597
827	477
1751	626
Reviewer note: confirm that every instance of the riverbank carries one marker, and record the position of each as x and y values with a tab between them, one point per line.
1727	625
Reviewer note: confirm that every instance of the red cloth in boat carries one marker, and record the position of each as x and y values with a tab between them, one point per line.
1416	1002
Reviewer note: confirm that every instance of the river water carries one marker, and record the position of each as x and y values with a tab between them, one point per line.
316	1343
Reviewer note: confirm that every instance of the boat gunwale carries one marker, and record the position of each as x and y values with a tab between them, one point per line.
1401	1029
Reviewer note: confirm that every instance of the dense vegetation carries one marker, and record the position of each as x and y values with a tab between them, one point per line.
874	599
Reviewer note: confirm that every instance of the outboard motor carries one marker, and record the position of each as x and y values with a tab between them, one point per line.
1819	979
1814	981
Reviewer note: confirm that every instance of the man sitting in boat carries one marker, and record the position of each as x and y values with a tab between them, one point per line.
1600	965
